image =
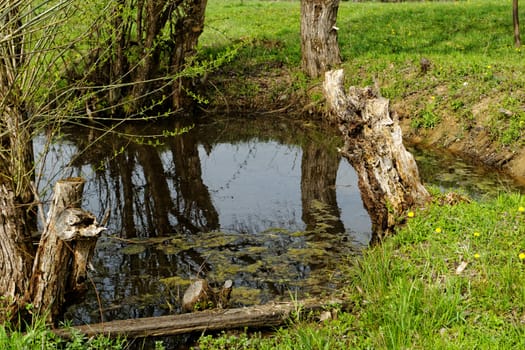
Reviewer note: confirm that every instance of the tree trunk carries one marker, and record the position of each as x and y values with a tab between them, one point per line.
388	175
154	14
319	48
16	253
16	165
516	22
185	37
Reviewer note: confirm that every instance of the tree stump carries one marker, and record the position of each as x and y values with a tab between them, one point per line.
200	296
388	176
64	251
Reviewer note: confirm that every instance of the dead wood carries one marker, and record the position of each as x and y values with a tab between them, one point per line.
269	315
388	175
64	251
200	296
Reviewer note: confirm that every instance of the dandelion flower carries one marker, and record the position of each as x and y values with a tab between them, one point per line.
521	256
411	214
477	256
477	234
438	230
521	209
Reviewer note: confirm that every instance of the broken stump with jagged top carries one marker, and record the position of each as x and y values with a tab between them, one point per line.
373	144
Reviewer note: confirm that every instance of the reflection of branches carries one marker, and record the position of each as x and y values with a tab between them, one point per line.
241	166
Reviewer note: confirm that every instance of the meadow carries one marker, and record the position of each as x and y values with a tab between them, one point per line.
475	71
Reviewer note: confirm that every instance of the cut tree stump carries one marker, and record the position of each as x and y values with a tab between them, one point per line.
268	315
200	296
388	176
64	251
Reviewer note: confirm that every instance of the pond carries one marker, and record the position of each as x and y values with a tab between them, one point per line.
268	203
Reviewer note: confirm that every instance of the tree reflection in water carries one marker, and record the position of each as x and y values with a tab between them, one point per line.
254	201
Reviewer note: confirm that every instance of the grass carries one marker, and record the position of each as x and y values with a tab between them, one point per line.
38	336
475	72
451	278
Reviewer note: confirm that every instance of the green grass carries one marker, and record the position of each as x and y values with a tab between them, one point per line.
475	69
38	336
408	294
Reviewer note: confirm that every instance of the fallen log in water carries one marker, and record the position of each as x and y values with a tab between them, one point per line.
268	315
388	175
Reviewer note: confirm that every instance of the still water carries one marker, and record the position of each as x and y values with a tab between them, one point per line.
267	203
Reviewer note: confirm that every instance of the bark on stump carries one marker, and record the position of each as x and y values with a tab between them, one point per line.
64	251
388	175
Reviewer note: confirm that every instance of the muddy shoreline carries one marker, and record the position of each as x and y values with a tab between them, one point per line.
275	95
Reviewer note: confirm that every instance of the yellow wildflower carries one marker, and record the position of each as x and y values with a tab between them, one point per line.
521	209
438	230
521	256
411	214
477	234
477	256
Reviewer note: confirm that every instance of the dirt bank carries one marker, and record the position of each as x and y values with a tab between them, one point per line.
274	90
474	144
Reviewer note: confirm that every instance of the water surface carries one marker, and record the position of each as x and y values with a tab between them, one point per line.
268	203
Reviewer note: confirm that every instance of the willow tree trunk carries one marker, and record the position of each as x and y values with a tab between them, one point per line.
319	48
516	22
16	162
186	36
15	252
388	175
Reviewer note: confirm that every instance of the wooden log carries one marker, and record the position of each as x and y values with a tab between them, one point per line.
269	315
60	263
388	175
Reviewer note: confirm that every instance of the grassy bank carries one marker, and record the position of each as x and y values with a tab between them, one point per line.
452	278
475	73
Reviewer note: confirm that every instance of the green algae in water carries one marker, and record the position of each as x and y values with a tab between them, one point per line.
168	249
215	239
256	250
175	281
133	249
247	296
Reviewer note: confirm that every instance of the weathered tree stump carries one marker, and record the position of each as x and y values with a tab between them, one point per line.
64	251
200	296
388	175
